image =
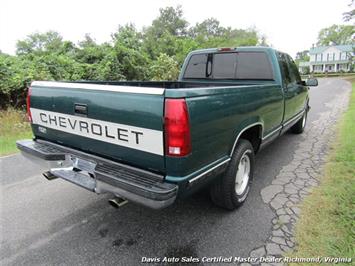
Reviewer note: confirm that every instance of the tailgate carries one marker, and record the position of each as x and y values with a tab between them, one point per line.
120	122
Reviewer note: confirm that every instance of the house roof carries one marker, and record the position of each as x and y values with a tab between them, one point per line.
321	49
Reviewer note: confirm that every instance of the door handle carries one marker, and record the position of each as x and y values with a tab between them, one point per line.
81	109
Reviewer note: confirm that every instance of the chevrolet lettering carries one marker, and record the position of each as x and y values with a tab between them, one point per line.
124	135
151	142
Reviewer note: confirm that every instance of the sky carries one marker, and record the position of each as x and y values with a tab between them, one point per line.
290	26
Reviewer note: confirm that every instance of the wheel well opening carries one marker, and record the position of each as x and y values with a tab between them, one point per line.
253	135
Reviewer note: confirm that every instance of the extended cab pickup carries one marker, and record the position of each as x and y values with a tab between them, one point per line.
152	142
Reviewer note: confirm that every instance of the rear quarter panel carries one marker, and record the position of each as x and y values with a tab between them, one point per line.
217	115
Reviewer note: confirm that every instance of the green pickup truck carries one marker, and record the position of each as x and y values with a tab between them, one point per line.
151	142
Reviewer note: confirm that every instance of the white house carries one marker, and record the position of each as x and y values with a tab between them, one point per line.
331	58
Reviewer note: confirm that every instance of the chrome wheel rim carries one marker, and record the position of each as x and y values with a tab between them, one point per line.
243	173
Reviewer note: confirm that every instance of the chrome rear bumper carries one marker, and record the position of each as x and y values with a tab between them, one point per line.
101	175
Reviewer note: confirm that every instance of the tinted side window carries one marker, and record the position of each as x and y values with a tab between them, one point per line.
284	69
196	68
294	74
253	65
224	66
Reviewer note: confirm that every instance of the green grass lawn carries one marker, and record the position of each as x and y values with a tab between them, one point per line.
13	126
327	223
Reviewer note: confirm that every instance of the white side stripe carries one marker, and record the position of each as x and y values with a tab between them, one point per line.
99	87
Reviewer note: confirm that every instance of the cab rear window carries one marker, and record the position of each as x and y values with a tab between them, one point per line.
197	66
236	65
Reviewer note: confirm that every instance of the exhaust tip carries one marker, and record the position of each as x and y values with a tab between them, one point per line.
117	202
49	175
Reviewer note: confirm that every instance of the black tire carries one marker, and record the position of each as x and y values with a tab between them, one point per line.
223	192
299	127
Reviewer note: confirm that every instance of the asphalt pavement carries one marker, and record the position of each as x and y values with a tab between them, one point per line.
56	223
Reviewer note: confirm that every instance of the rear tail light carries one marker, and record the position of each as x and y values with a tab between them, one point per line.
28	104
177	128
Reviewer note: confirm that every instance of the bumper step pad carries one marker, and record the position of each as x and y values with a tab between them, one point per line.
77	178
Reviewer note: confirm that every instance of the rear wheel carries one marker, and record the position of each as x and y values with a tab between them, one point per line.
231	190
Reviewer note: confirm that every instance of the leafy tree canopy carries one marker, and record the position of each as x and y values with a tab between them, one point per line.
38	43
336	35
303	55
349	16
169	20
154	53
128	36
207	29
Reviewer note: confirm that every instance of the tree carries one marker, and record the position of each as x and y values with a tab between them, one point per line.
164	68
39	43
109	68
348	16
303	55
134	64
157	52
242	37
15	74
183	47
170	20
263	41
165	30
336	35
128	36
210	33
206	29
89	51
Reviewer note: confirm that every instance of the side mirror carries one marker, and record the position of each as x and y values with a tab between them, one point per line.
311	82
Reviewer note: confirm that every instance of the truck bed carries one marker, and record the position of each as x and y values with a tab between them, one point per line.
137	114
